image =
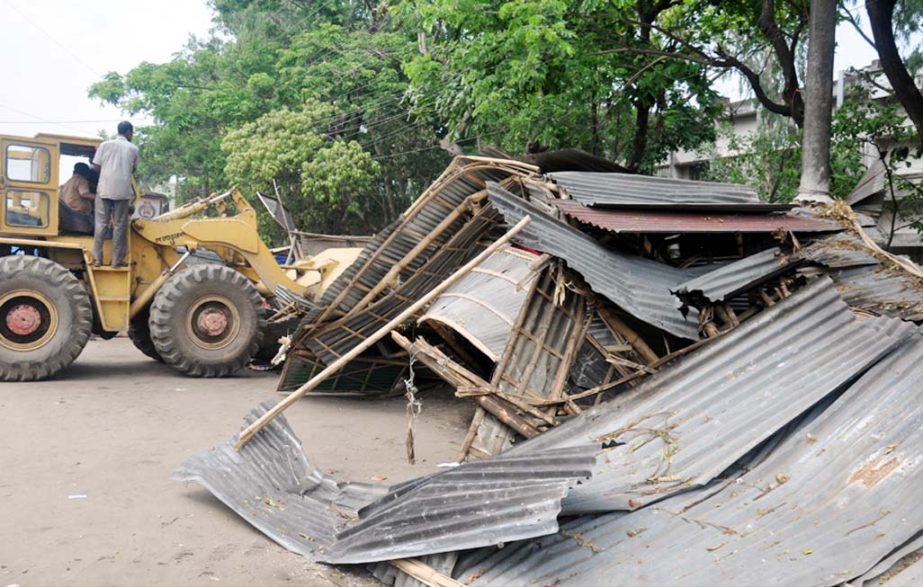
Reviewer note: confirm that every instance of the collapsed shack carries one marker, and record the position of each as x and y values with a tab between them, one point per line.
656	360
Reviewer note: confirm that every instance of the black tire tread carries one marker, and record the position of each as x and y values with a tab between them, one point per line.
172	292
139	331
61	280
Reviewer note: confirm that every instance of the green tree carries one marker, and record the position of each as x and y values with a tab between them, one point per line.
277	56
550	73
327	183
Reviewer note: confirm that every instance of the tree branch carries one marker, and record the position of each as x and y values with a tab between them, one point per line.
852	20
881	14
723	61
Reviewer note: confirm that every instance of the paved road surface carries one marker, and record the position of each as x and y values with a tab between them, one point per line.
85	463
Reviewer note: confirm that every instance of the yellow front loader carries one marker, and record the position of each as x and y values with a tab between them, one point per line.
204	318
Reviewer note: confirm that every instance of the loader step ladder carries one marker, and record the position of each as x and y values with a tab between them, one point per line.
112	290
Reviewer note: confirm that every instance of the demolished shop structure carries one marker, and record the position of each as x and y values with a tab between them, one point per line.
675	382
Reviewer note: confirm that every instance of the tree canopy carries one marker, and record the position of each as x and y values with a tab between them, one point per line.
349	108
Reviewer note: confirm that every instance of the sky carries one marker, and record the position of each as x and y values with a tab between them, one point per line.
55	50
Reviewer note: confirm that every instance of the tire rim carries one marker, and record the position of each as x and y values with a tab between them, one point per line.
28	320
213	322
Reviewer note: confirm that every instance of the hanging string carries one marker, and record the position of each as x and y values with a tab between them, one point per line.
414	407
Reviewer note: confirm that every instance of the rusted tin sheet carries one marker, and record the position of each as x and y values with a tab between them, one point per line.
668	222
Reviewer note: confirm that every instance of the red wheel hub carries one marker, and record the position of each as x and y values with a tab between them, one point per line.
212	322
23	320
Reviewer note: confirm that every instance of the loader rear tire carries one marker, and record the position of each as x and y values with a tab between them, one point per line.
206	321
45	318
139	331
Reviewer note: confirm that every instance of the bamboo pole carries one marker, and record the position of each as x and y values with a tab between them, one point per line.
628	333
280	407
421	246
424	573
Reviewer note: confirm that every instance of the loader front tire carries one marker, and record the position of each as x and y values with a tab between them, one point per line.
205	321
45	318
139	331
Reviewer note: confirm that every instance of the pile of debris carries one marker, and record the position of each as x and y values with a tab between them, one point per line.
659	366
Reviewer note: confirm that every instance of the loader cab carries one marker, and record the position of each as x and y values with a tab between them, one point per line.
30	176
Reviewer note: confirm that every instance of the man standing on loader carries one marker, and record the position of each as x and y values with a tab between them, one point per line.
115	160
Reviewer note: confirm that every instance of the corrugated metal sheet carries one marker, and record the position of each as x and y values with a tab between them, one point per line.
687	424
464	177
640	191
336	338
823	508
543	345
483	304
488	502
659	221
912	576
893	564
881	290
638	286
739	276
271	484
866	283
838	251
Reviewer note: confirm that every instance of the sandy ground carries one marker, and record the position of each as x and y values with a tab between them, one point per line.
85	462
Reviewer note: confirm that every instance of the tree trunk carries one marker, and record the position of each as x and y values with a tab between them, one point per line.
639	142
818	89
881	14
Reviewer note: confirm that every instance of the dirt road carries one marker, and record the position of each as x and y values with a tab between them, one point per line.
85	464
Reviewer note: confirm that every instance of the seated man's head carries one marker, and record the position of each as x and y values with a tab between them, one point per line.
82	169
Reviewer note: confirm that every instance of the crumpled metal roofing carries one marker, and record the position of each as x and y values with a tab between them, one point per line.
639	286
641	191
864	282
824	507
687	424
487	502
271	484
662	221
464	177
739	276
910	577
838	251
483	304
335	339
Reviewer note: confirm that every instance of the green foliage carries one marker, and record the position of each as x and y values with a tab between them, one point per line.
878	126
331	61
769	159
553	72
324	182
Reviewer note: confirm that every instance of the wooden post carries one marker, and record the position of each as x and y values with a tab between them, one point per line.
280	407
424	573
